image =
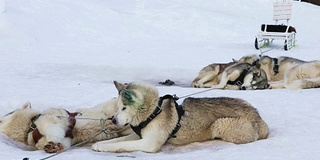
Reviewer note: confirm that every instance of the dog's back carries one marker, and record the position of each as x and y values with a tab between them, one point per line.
275	68
230	119
303	76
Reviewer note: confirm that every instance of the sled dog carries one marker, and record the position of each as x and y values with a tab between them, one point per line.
156	121
291	73
231	75
242	76
210	75
55	130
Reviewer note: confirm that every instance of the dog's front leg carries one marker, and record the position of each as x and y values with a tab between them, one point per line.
130	137
145	145
223	82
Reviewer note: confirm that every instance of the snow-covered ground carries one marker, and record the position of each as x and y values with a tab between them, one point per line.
58	53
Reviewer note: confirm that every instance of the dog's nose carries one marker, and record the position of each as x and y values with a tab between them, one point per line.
114	121
243	88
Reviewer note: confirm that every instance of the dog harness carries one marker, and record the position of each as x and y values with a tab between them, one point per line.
276	66
137	129
239	80
36	135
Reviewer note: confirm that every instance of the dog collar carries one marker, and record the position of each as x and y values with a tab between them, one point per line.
137	129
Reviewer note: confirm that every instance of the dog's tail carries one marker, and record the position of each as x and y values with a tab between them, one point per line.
263	129
304	83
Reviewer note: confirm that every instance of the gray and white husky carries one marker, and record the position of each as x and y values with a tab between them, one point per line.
288	72
156	121
243	74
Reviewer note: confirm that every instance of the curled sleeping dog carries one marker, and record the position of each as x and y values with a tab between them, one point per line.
55	130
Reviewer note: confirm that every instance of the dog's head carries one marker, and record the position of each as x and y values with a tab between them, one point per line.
255	79
135	100
16	123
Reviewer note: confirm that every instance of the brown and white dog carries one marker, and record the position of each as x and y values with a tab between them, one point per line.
55	130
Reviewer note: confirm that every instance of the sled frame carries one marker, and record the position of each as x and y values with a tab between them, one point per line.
282	11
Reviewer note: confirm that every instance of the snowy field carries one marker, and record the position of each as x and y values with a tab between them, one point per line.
58	53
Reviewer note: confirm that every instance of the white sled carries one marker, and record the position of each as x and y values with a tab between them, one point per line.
282	11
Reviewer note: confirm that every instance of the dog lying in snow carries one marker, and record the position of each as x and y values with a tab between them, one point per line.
243	74
55	130
156	121
288	72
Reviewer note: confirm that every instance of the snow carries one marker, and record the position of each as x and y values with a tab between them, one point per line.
57	53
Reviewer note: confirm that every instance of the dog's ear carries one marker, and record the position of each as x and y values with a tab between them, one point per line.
257	73
26	105
119	86
256	64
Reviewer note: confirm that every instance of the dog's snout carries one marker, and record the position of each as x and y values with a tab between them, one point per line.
243	88
114	121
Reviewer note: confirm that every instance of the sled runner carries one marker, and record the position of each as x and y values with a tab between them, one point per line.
282	11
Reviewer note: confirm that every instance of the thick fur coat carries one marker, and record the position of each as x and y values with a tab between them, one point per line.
290	73
229	119
53	131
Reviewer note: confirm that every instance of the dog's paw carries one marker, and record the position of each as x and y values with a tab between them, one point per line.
98	147
103	147
197	85
52	147
232	87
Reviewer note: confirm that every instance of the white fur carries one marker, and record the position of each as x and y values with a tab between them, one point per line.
54	123
56	134
301	76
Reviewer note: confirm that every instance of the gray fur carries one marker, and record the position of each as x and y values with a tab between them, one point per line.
230	119
292	73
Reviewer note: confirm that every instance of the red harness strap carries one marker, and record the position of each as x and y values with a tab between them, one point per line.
36	135
33	128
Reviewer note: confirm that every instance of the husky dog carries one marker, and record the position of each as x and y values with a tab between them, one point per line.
291	73
255	79
55	130
217	75
210	75
156	121
244	76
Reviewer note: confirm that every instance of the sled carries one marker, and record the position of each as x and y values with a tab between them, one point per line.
282	11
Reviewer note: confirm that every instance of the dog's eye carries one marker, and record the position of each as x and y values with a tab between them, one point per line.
124	108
